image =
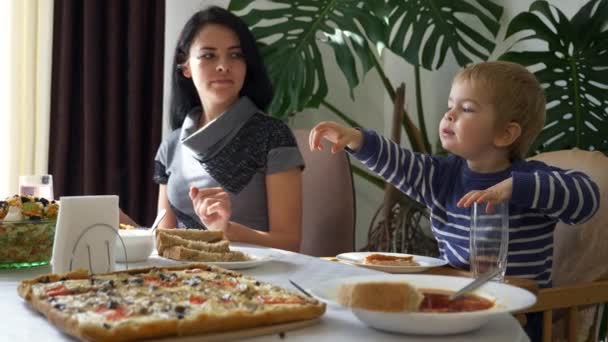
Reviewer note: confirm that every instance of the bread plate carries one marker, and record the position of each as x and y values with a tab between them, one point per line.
424	262
256	260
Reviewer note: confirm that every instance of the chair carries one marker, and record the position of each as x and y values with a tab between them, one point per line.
580	271
328	220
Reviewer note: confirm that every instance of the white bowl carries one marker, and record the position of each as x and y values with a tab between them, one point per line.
139	244
507	299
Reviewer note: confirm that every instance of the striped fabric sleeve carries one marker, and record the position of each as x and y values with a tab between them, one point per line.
408	171
570	196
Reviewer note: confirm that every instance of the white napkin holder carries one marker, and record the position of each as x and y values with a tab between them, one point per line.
86	232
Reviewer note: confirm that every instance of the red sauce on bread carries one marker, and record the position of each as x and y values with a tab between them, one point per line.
390	260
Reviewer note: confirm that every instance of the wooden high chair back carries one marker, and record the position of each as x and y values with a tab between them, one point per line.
328	203
580	267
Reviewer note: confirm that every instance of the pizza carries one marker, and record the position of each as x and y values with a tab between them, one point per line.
390	260
196	245
162	301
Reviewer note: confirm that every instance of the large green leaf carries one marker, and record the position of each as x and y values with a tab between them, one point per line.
292	31
573	69
423	32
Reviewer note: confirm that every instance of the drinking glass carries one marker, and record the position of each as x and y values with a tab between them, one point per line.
489	240
36	185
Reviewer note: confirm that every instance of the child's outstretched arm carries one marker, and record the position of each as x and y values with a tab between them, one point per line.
339	135
410	172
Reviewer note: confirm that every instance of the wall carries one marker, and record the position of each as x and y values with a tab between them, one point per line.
177	12
372	108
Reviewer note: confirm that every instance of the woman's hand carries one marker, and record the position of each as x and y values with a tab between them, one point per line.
339	135
493	195
212	205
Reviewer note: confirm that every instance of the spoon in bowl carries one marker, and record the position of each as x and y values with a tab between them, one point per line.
159	217
482	279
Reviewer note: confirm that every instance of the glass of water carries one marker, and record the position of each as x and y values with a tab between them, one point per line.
36	185
489	239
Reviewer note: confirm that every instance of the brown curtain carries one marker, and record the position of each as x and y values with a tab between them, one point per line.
106	105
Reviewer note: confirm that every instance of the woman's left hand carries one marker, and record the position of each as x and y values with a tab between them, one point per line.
212	205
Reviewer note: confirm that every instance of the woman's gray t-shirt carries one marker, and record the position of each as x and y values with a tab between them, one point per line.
235	151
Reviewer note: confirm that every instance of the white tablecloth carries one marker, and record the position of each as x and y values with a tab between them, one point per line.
20	323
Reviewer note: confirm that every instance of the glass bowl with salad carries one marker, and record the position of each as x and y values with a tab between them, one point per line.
27	231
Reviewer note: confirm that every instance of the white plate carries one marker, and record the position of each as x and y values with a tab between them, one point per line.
507	299
255	261
238	265
357	258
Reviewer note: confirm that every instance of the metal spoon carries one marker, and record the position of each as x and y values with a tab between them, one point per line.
482	279
157	220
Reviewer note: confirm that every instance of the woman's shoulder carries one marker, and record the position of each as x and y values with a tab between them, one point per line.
265	120
171	139
272	130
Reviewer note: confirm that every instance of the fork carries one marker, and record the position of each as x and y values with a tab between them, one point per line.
299	288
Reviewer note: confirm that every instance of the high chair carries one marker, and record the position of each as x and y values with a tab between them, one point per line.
328	203
580	254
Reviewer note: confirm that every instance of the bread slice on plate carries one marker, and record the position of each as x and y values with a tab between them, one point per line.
184	253
194	234
165	240
381	296
196	245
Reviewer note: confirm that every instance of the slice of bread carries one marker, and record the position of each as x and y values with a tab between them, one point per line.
184	253
194	234
165	240
381	296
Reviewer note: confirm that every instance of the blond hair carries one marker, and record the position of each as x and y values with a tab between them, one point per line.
516	96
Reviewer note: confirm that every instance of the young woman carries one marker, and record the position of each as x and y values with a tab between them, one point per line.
227	165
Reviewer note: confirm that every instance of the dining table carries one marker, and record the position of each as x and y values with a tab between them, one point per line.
21	323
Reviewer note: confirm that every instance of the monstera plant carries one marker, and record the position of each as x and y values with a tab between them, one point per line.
574	70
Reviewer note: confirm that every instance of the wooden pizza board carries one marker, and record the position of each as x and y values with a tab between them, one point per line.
245	333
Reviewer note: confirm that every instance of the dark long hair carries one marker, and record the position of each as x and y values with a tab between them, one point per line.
257	85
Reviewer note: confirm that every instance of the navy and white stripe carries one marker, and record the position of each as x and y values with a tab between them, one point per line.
542	195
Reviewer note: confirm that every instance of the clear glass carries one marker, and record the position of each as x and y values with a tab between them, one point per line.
38	185
489	240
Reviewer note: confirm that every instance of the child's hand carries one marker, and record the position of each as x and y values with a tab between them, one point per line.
212	205
496	194
339	135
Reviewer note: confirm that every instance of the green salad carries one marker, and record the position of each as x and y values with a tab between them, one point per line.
27	230
26	241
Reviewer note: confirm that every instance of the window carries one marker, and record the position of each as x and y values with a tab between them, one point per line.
5	115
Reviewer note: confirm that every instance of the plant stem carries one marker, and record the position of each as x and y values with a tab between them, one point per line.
340	114
368	177
421	123
382	74
410	129
577	105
